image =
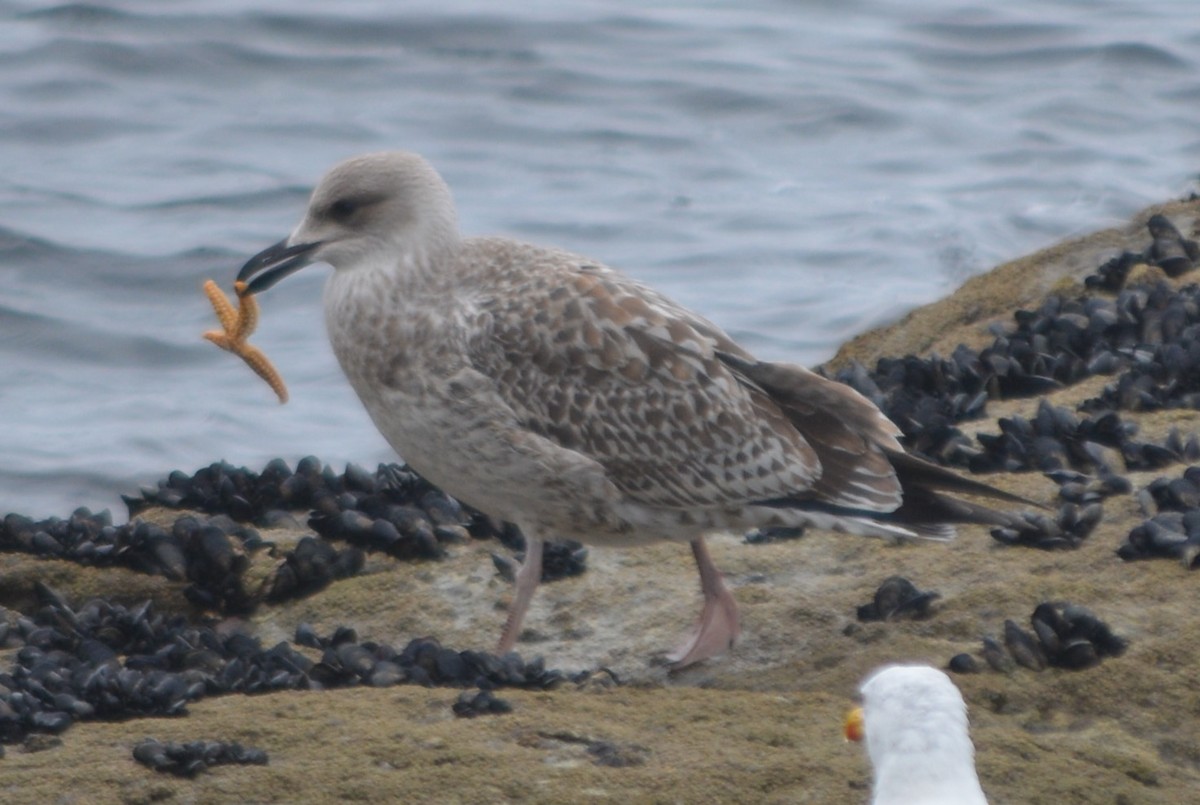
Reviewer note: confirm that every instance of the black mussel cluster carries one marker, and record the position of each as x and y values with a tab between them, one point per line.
1172	527
1168	249
1055	438
424	661
103	660
559	561
209	553
1148	336
246	496
473	703
92	539
1180	494
1159	360
562	559
192	758
897	597
925	397
1070	526
311	566
399	530
392	510
1170	535
1111	275
1083	489
1063	636
1145	336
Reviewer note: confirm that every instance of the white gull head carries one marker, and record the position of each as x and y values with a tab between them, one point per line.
917	738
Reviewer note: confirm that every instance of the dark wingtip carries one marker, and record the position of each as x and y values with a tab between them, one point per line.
917	471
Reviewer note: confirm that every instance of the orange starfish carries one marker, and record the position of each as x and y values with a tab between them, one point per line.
236	326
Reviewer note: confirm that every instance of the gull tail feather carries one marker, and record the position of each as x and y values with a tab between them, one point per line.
850	434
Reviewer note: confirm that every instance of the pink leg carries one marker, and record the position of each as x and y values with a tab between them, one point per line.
527	581
719	626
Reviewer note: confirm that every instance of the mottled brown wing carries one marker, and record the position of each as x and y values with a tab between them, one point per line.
852	438
610	368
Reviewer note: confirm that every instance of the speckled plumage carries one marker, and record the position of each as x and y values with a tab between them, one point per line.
554	392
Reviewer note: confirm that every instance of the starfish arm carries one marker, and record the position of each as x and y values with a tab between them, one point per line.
256	360
220	339
247	313
221	304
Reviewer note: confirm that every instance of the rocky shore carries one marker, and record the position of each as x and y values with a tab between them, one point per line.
320	634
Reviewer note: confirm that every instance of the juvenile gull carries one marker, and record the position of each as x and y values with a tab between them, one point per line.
555	393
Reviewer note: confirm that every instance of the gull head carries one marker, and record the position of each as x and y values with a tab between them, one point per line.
917	734
912	708
373	208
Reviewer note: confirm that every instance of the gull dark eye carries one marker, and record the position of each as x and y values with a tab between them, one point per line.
343	208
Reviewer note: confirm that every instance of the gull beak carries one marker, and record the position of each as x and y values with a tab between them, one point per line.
274	263
853	726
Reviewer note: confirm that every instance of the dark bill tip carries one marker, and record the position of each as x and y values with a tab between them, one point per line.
274	263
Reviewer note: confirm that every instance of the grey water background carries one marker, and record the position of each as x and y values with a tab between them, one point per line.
797	171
